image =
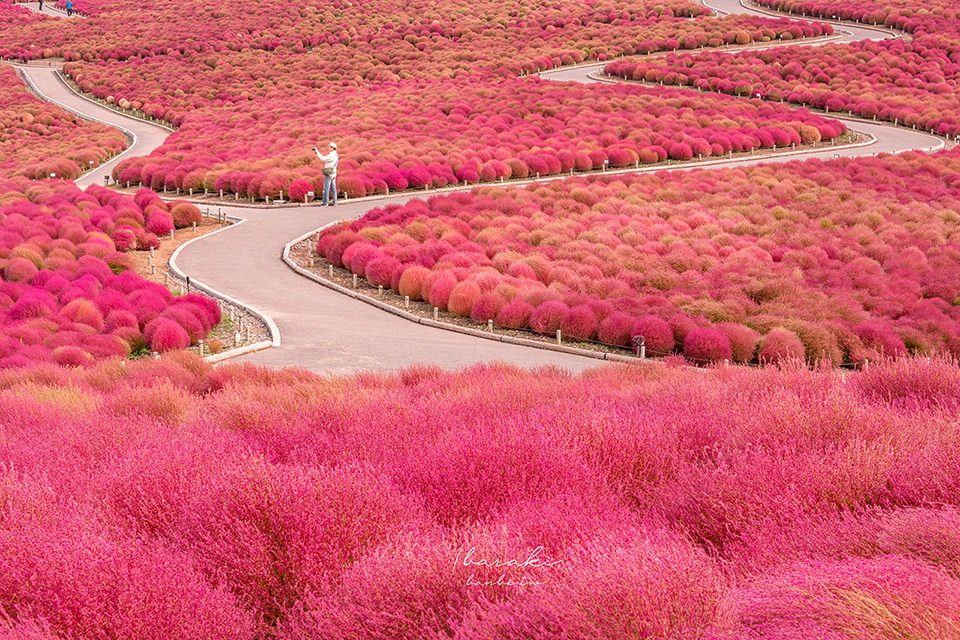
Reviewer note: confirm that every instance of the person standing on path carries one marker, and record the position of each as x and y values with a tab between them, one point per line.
40	10
330	162
69	8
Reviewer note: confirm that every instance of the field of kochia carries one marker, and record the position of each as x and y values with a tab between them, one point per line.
169	499
814	495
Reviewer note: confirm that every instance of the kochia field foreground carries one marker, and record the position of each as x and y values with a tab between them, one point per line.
166	499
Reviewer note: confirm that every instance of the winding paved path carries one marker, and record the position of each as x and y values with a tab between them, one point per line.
48	9
326	331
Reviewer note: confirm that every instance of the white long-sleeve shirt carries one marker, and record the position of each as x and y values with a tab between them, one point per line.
330	160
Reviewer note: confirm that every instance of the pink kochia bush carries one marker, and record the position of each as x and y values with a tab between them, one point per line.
839	261
68	294
245	503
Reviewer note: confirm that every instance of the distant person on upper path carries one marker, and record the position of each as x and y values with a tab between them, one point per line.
69	8
40	10
330	161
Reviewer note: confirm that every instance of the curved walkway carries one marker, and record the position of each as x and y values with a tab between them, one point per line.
326	331
48	9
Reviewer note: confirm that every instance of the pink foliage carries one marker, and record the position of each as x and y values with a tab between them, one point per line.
615	329
165	334
548	317
580	323
380	270
411	281
487	306
780	344
462	298
656	333
706	345
662	502
514	314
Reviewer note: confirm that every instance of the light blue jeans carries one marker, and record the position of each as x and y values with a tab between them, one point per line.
329	186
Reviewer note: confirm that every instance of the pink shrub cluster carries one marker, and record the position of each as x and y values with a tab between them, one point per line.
246	503
516	129
910	83
38	138
67	292
839	261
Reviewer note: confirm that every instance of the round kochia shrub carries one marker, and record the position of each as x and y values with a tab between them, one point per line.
615	329
165	334
379	270
781	344
186	318
70	356
85	312
881	338
548	317
185	214
356	257
743	341
35	303
411	281
486	307
160	223
580	323
299	189
440	285
657	334
705	345
514	314
19	270
462	298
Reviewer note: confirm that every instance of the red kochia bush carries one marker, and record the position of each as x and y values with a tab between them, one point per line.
548	317
70	356
184	214
187	318
440	285
580	323
486	307
207	309
514	314
462	298
299	189
19	270
615	329
781	344
657	334
706	345
165	334
83	311
379	271
743	341
160	223
411	281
